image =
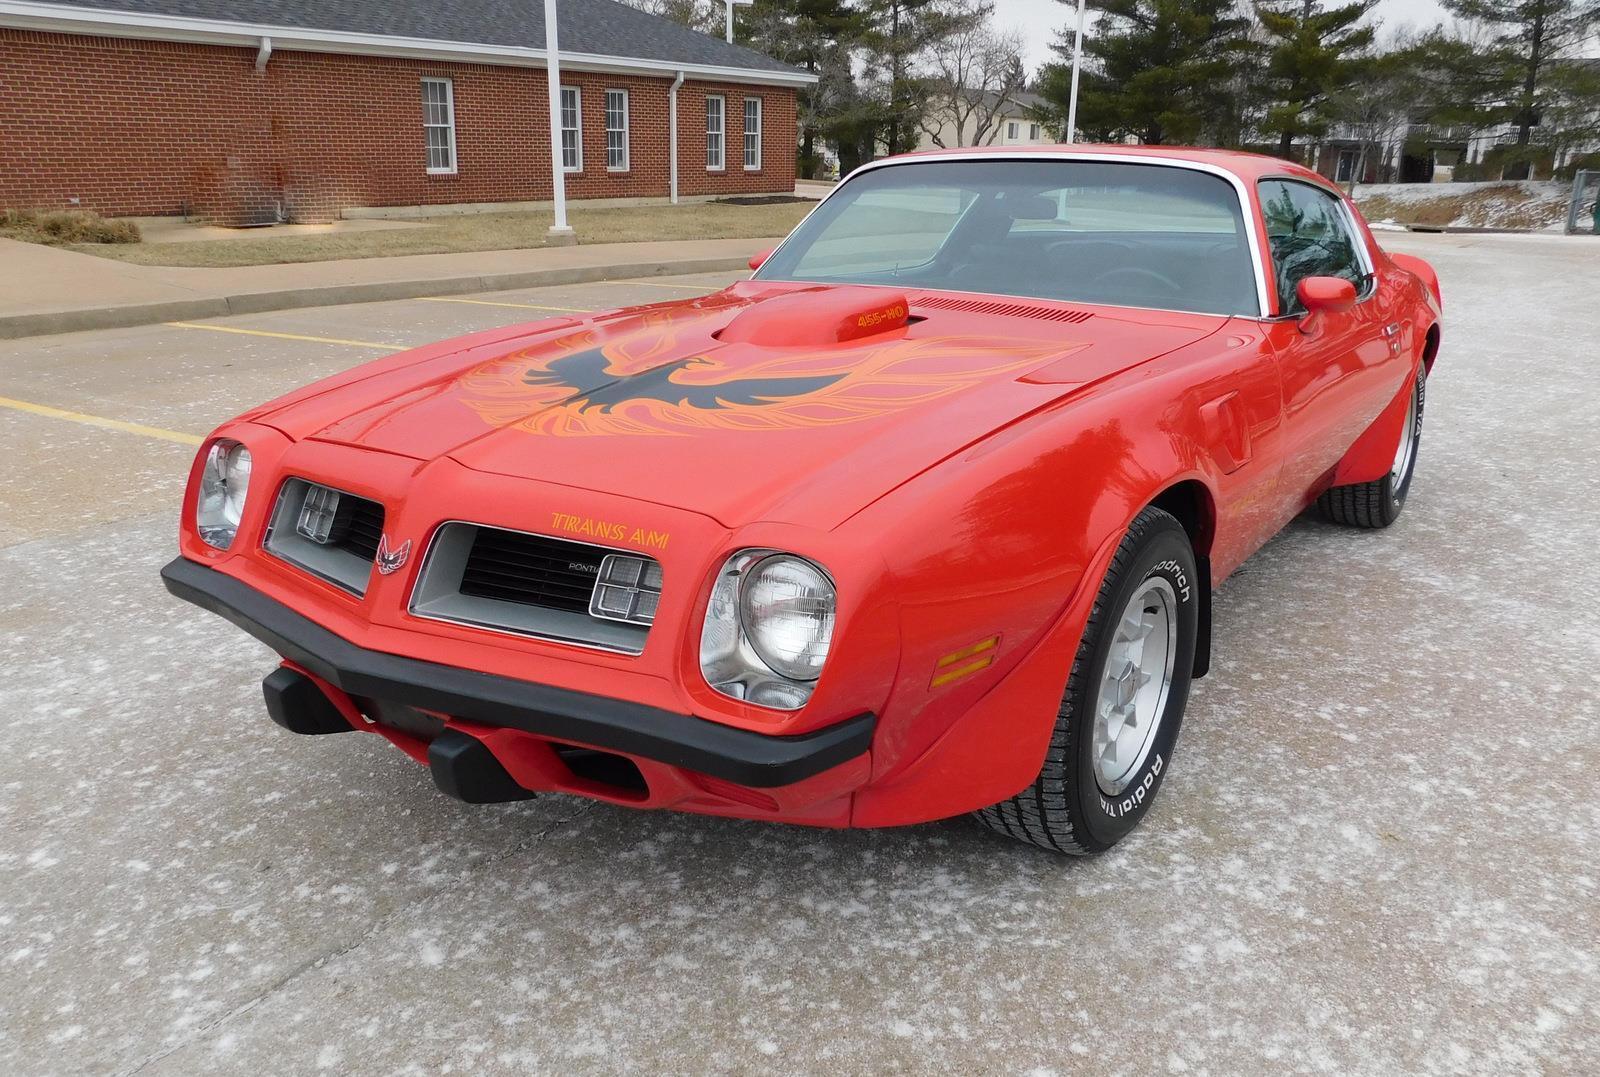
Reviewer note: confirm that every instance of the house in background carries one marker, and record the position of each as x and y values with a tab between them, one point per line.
249	111
1399	150
988	120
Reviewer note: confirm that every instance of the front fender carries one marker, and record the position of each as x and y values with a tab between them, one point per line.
995	558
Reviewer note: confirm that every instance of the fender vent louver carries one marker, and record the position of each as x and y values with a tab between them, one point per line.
996	306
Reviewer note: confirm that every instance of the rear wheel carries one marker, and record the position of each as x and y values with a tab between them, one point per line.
1119	717
1379	503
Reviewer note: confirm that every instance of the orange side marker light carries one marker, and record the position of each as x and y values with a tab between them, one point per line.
965	662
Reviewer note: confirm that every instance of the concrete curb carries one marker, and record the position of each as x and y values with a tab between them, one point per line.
44	323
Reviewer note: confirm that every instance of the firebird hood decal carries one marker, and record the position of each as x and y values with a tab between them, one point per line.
623	387
653	404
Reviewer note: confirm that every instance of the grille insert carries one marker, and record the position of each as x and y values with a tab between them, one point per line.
527	584
531	569
327	532
365	525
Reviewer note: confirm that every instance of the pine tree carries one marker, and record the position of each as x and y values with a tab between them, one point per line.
1533	44
1159	70
1315	53
895	33
815	35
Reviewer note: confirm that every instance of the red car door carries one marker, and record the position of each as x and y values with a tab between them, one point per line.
1339	370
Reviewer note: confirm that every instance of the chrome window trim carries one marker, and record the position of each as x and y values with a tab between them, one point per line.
504	630
1252	225
1358	239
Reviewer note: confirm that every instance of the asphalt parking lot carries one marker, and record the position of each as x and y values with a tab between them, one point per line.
1378	850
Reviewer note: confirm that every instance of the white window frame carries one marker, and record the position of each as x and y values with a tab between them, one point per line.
721	133
623	130
756	131
449	126
577	112
1013	130
1033	132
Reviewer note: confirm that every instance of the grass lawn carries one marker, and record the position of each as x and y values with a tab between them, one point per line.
475	232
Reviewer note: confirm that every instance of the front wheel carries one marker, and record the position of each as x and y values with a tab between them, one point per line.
1378	503
1119	717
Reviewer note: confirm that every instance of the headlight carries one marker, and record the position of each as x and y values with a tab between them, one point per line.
224	482
768	628
786	607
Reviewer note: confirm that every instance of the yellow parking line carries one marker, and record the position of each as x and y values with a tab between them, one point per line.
701	288
96	420
288	336
492	303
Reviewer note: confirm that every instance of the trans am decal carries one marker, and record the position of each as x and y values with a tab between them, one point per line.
645	382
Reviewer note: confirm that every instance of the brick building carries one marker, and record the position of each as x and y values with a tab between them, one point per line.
244	111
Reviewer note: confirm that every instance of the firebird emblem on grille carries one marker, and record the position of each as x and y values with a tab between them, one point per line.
390	562
644	382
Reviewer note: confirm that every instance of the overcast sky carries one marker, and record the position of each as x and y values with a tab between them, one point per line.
1040	20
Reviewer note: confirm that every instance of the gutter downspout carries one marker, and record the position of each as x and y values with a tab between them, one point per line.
263	54
672	136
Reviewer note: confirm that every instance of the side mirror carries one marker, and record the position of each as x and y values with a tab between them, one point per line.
1324	295
757	260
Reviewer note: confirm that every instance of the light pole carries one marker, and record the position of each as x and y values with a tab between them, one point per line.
731	3
560	231
1077	62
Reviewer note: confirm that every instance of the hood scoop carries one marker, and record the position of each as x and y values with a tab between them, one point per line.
809	318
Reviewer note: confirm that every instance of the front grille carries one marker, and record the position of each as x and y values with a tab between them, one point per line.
327	532
365	525
536	585
530	569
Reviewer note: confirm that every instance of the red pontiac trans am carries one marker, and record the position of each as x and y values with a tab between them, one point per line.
922	519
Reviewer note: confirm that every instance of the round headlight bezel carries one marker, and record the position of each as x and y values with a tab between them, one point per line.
803	663
729	659
224	487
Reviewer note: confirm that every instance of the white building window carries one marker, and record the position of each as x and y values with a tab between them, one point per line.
571	129
716	118
752	134
1012	129
617	130
1033	132
439	125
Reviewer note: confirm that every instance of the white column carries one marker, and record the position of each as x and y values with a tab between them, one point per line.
1077	62
560	230
672	136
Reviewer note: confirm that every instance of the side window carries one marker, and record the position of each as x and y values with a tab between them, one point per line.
1309	237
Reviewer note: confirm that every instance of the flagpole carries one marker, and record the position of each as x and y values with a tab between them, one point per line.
1077	62
560	231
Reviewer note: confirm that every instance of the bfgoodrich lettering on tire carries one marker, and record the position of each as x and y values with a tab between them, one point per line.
1124	701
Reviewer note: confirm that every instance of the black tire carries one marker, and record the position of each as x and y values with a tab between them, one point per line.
1378	503
1064	809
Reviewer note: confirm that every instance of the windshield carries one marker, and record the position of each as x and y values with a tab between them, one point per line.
1132	235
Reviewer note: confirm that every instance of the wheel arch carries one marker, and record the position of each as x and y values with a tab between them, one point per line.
1192	504
1430	347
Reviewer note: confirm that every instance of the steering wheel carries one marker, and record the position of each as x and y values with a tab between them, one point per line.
1171	286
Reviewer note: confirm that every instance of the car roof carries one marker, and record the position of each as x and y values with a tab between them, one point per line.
1247	166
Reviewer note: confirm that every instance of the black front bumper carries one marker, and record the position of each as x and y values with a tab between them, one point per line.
681	740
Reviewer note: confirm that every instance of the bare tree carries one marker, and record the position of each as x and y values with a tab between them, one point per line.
971	77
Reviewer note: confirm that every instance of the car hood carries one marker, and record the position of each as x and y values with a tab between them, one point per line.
776	402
